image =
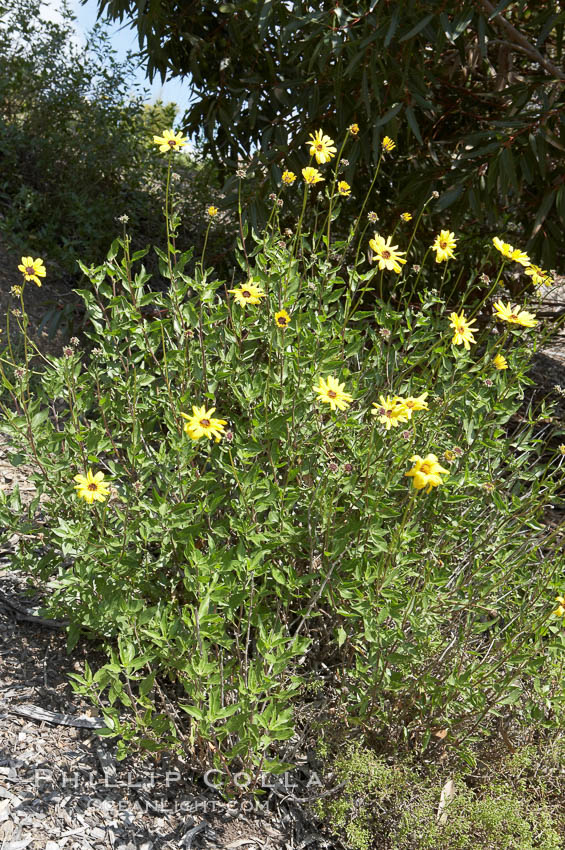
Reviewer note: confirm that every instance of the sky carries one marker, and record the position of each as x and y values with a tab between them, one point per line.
124	38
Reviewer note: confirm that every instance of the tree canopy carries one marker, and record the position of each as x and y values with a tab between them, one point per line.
474	97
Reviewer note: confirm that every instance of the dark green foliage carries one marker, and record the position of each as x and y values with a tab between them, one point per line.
473	98
75	143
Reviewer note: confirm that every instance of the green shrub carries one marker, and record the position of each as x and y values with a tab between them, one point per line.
220	573
75	142
393	806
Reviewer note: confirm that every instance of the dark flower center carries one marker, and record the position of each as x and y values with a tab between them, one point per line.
92	486
386	255
246	293
282	321
332	394
443	245
30	270
425	468
172	143
205	423
319	146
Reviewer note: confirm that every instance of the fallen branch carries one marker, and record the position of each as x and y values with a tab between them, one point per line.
41	715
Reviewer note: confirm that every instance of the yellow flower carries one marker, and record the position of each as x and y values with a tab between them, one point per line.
248	294
282	319
344	188
391	411
311	175
212	211
444	245
353	129
510	252
91	488
331	392
387	254
203	424
406	216
449	455
388	144
500	362
520	257
514	315
561	448
413	403
288	178
463	332
32	269
322	147
539	276
169	141
560	610
426	472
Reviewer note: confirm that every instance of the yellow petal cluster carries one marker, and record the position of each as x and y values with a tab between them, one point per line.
203	424
322	147
311	175
32	269
426	472
92	488
331	392
282	319
463	330
170	141
388	256
514	315
248	294
539	276
443	246
510	252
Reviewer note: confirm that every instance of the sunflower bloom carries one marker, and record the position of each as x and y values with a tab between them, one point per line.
560	610
322	147
212	211
344	188
406	216
288	178
391	411
413	403
169	141
92	488
331	392
444	245
282	319
463	332
500	362
353	129
539	276
514	315
387	144
388	256
248	294
510	252
32	269
311	175
426	472
203	424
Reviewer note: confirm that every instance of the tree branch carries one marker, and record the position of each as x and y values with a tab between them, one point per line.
520	40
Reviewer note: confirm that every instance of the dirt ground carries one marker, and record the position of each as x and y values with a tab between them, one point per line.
60	784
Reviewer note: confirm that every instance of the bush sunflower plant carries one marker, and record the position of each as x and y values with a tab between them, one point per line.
299	474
